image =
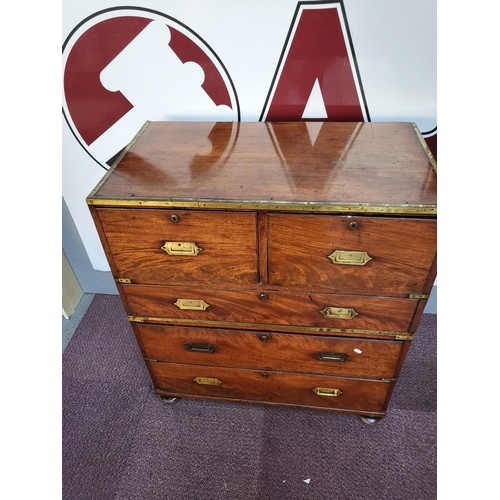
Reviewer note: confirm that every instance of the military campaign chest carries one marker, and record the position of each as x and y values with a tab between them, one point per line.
275	263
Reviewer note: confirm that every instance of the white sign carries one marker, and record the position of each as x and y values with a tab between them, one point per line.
356	60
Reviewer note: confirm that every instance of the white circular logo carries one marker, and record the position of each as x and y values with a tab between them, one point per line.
124	66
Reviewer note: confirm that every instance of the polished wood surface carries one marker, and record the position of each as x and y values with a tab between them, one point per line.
227	241
293	163
259	308
401	252
270	386
282	250
278	308
270	351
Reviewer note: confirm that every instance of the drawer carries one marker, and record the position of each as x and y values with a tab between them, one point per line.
155	246
197	307
270	387
266	351
351	254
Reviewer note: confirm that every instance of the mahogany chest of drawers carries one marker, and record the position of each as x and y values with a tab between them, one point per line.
274	263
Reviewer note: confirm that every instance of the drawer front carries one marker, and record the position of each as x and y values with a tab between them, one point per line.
355	254
270	351
152	246
194	306
270	387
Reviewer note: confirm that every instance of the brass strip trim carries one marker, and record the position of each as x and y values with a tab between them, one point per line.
285	206
419	296
117	161
230	324
123	280
425	146
405	336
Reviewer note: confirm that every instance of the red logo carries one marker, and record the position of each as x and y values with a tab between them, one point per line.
175	76
317	75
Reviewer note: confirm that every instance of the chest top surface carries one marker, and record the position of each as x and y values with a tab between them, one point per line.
295	166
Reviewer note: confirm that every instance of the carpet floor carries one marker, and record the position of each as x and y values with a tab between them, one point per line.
120	441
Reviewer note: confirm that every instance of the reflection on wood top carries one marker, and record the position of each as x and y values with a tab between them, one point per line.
325	166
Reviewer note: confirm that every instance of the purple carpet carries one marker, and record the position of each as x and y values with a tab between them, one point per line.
120	441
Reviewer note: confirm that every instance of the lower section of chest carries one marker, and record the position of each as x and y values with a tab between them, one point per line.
316	371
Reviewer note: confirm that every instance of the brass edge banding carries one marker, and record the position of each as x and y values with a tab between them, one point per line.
403	336
115	163
405	209
148	319
123	280
423	142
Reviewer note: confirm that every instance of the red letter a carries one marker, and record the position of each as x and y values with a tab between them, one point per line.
317	69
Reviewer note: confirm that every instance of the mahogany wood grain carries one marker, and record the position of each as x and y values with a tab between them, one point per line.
267	203
94	212
402	252
270	386
404	352
270	351
418	315
275	162
262	236
279	308
432	276
228	242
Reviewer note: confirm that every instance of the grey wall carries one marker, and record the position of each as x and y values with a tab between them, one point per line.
431	307
93	281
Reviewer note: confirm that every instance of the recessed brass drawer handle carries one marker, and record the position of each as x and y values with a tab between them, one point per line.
191	304
207	381
349	258
185	248
338	312
327	391
331	356
200	347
